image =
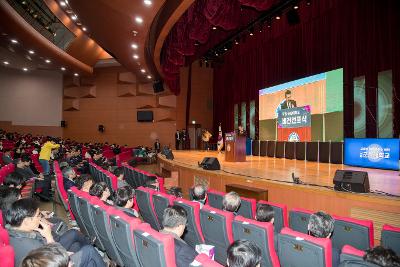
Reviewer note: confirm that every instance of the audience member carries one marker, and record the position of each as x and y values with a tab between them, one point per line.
101	191
119	172
7	159
124	199
45	153
174	223
175	191
199	194
264	213
29	231
69	176
243	253
8	195
231	202
321	225
84	182
14	180
152	182
382	257
50	255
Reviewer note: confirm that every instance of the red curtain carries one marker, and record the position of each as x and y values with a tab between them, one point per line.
360	35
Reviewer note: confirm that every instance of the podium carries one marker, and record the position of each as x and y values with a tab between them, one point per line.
235	147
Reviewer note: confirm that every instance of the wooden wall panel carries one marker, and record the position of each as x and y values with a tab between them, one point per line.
34	130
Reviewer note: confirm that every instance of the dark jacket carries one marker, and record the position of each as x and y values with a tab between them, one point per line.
184	254
26	173
285	105
7	160
68	184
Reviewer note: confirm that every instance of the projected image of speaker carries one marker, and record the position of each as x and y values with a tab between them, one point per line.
210	163
351	181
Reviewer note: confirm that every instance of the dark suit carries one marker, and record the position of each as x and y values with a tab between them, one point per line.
184	254
290	104
335	257
177	140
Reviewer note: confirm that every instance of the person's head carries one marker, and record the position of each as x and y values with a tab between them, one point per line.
200	193
240	127
24	213
8	195
119	172
288	95
231	202
26	160
14	179
124	197
382	257
49	255
174	220
7	151
100	190
320	225
69	173
97	154
243	253
152	182
264	213
84	182
175	191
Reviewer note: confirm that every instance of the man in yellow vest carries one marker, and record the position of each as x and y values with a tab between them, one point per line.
45	154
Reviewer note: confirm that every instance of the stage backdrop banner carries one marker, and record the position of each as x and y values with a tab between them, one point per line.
372	153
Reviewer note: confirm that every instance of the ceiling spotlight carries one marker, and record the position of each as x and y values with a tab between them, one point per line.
74	17
63	69
143	70
84	29
148	77
135	33
69	11
236	42
47	61
139	20
308	3
14	41
216	53
25	69
6	62
76	74
135	56
214	28
66	1
277	17
31	52
296	6
79	24
62	3
134	46
226	49
147	2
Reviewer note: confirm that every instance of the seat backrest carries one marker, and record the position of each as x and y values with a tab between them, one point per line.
262	234
1	219
298	220
129	176
214	198
390	238
352	257
73	201
144	201
202	260
103	228
7	256
122	227
299	249
247	207
280	215
193	234
161	201
217	230
353	232
60	186
154	248
4	237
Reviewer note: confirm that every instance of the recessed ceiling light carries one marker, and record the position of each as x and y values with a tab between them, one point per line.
84	29
25	69
134	46
6	62
214	28
69	11
148	77
79	24
76	74
278	17
14	41
139	20
31	52
296	7
135	56
147	2
48	60
62	3
66	1
63	69
134	33
143	70
74	17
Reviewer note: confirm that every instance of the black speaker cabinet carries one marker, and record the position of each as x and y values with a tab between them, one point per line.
300	150
255	148
101	128
351	181
290	150
271	148
324	152
264	148
63	124
210	163
280	149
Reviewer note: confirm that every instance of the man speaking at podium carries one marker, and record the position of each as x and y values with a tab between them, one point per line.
286	103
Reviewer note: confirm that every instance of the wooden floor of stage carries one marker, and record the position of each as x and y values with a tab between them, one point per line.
282	169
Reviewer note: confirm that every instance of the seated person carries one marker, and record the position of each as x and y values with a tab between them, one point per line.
8	195
321	225
265	213
243	253
29	231
14	180
99	160
69	177
174	223
124	198
152	182
119	172
231	202
200	194
101	191
382	257
50	255
84	182
7	159
175	191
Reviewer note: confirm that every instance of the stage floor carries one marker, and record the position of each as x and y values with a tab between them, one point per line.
281	170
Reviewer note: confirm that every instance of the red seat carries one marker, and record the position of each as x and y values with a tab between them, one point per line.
202	260
161	201
7	256
298	220
247	207
4	237
391	238
280	215
350	253
144	199
353	232
214	198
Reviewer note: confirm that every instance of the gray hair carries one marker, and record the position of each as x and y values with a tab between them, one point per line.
67	171
199	192
320	224
174	216
231	202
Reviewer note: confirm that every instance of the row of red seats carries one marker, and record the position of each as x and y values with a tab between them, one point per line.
6	250
137	171
6	170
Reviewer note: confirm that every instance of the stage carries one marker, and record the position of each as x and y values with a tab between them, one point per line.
275	176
